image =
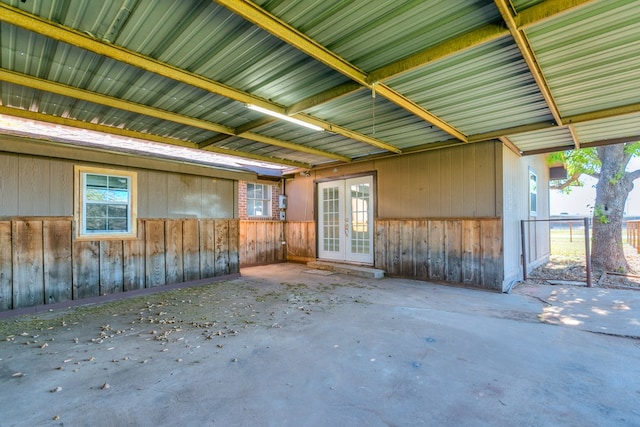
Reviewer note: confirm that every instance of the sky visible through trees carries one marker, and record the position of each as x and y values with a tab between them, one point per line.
581	199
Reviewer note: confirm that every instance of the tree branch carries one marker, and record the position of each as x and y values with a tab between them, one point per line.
570	181
634	175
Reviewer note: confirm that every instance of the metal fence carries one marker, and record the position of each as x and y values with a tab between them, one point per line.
571	224
633	234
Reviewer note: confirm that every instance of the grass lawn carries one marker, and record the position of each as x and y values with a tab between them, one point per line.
568	243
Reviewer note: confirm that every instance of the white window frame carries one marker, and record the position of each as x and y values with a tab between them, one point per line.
266	197
80	208
533	193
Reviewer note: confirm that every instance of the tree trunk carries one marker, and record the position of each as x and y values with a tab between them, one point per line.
612	190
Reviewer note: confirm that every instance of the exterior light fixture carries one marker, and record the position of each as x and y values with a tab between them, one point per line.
284	117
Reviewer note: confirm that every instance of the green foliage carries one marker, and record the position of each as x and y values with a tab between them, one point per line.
618	176
599	214
586	162
633	149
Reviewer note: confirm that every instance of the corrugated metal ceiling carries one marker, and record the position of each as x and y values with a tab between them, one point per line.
381	77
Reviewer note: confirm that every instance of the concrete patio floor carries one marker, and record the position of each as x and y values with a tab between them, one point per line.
287	346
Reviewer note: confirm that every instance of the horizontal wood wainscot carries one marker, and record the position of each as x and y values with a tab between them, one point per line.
41	263
461	250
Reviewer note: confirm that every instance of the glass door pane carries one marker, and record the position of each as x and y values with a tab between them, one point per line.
331	219
360	203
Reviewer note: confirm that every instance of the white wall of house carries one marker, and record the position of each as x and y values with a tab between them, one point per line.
516	207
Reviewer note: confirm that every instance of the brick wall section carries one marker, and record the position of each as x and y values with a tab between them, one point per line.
242	202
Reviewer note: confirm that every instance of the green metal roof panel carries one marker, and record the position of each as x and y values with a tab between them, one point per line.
543	139
366	32
590	57
610	128
587	55
379	118
484	88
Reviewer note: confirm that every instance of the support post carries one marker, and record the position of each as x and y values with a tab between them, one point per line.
587	251
524	249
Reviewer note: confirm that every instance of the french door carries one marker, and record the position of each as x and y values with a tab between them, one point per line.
345	220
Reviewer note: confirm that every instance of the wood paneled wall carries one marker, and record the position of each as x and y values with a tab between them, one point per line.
41	263
465	251
261	242
301	240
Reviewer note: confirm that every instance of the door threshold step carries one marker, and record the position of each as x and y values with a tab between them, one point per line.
353	270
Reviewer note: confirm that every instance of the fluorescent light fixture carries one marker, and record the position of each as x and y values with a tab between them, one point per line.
284	117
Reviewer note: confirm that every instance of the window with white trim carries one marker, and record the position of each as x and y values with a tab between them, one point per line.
258	200
533	193
106	202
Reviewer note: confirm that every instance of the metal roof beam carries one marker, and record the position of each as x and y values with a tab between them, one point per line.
529	56
293	146
545	10
324	97
50	29
97	98
574	136
32	115
443	50
85	95
510	145
270	23
530	16
603	114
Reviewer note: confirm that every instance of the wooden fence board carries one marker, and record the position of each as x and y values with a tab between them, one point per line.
28	262
311	239
191	249
173	251
281	254
222	247
242	242
491	238
394	248
207	249
471	252
436	250
260	243
453	250
234	234
271	237
155	253
6	268
134	260
380	243
406	248
421	249
111	267
300	241
58	265
251	244
86	269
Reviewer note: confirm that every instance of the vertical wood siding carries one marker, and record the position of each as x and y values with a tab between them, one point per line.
463	250
261	242
41	263
300	237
